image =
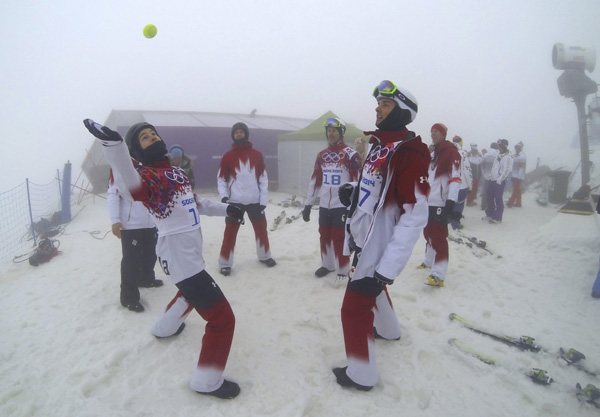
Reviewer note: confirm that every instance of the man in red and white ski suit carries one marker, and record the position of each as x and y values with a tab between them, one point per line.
167	194
445	183
518	175
336	165
243	182
387	214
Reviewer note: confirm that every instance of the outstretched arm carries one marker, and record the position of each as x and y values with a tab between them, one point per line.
127	179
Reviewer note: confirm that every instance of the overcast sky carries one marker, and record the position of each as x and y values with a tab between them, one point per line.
482	67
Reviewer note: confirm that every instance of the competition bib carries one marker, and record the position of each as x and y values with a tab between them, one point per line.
373	174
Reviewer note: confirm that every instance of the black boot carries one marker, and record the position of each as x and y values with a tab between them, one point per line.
344	380
226	391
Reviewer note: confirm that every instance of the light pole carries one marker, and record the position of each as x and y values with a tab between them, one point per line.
573	83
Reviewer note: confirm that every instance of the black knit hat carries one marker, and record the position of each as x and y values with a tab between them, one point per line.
503	143
240	125
132	139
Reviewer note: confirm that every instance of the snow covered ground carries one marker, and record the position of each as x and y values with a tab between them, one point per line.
69	349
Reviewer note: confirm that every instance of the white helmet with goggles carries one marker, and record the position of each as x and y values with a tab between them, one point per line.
404	98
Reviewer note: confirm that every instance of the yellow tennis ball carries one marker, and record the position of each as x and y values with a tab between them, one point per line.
150	31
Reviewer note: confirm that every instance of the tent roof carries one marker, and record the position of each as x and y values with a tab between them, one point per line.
315	131
126	118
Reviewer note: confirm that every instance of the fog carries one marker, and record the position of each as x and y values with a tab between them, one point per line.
482	68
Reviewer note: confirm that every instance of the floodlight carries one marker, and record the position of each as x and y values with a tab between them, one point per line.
573	57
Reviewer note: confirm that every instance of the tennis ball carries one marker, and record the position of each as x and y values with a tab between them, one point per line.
150	31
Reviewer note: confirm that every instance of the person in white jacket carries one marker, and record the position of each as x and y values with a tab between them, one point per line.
242	181
475	159
167	193
501	169
336	165
444	179
131	223
487	162
466	183
518	175
387	212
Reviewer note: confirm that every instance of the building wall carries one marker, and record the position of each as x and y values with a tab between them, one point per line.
207	145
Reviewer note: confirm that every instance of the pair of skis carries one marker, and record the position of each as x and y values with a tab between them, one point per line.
589	393
283	219
472	242
291	202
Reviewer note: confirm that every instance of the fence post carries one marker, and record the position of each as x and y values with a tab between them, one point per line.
30	214
65	201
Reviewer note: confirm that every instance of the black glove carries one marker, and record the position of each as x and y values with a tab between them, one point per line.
382	279
351	243
345	194
107	136
261	208
306	213
224	199
236	213
448	209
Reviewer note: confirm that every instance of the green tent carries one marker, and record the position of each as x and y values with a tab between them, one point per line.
297	152
316	131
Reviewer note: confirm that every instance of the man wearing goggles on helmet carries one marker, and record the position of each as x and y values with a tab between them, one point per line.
336	165
387	212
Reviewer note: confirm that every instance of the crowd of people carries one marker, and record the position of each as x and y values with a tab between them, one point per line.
375	200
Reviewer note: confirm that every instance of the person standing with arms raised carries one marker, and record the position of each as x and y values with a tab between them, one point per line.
167	194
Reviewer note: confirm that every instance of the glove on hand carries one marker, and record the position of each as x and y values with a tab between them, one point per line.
382	279
306	213
345	194
224	199
107	136
236	213
448	209
351	243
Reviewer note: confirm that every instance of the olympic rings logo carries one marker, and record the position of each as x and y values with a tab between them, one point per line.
332	157
378	152
176	175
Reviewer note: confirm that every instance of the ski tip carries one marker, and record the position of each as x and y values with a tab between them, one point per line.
452	316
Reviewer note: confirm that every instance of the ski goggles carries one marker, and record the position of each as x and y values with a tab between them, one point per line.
388	89
332	122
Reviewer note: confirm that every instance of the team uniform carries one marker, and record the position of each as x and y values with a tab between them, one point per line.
475	160
487	162
444	180
388	212
518	175
466	182
242	181
138	243
501	169
334	166
167	194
